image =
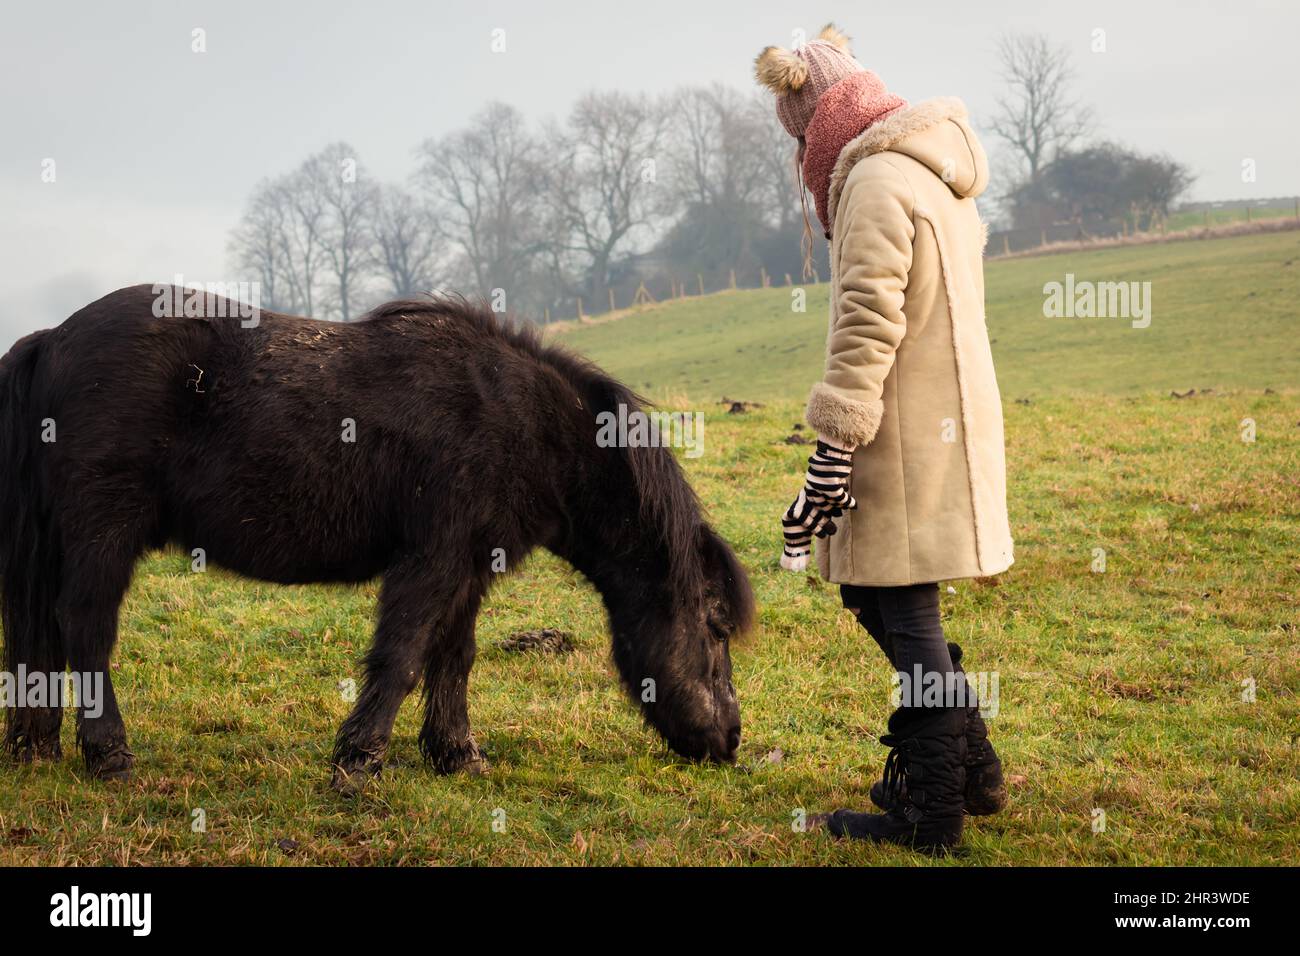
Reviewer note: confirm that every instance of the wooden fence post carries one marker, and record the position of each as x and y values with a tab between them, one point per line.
733	278
700	277
611	300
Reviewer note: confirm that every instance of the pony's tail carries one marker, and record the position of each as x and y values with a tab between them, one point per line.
29	557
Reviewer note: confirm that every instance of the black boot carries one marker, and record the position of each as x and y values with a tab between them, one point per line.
925	774
986	791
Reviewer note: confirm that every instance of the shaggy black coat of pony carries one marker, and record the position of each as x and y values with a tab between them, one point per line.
428	443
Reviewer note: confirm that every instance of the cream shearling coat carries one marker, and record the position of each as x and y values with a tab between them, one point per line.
909	374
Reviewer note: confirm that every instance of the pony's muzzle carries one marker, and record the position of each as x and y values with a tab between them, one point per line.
733	743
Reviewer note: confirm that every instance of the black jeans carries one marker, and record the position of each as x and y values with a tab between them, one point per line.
904	621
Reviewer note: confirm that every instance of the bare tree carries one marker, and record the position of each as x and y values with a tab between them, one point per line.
303	240
259	247
1037	117
279	240
717	146
774	155
408	247
720	173
346	197
486	183
603	186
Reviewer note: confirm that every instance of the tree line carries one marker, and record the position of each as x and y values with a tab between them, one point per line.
632	195
628	188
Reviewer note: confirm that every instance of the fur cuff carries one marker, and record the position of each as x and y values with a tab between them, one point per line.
846	419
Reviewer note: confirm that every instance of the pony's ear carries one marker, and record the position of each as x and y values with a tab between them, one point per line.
831	34
731	609
781	71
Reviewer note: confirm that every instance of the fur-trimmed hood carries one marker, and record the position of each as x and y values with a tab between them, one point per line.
935	132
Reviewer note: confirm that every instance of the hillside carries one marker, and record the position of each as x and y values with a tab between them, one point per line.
750	345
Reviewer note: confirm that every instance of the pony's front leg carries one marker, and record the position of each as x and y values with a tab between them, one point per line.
445	737
408	605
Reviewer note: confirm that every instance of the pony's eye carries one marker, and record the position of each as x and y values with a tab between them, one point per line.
716	628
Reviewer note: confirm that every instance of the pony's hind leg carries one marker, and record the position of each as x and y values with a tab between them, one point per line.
91	590
33	646
409	603
445	738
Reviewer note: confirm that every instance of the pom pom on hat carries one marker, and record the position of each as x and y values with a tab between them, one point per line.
799	77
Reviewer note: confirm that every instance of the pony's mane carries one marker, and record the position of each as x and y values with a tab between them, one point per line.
667	500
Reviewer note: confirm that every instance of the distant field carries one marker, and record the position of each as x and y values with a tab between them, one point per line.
1221	217
1123	693
1225	313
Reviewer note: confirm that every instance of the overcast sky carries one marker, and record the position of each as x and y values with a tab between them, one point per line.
157	147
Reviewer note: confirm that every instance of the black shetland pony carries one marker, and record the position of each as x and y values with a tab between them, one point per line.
428	443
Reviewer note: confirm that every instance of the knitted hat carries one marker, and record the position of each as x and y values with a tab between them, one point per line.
799	77
847	109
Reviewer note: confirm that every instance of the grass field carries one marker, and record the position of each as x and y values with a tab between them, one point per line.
1123	692
1224	314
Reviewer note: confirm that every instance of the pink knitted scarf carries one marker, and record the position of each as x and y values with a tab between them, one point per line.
843	112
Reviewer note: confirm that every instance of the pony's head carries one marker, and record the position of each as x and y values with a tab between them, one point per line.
688	647
672	647
675	592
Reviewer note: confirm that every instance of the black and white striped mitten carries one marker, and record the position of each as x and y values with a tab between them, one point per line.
824	497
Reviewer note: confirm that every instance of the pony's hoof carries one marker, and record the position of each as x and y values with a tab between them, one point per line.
111	766
39	753
477	767
351	783
463	758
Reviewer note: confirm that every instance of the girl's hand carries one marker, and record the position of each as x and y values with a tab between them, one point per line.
824	497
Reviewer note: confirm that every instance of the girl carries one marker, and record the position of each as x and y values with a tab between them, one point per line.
907	486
